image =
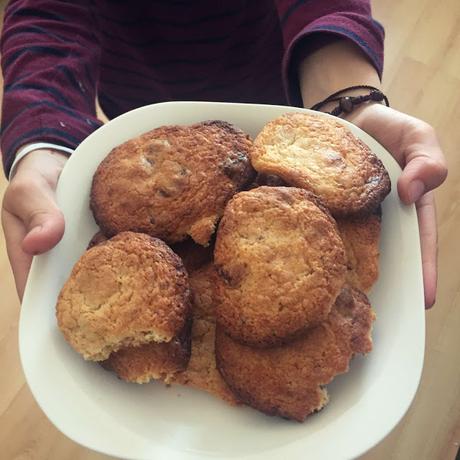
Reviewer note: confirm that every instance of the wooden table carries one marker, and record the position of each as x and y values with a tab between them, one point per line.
422	77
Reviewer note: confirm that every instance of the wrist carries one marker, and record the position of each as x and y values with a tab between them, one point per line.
28	148
367	115
342	103
335	66
34	158
47	163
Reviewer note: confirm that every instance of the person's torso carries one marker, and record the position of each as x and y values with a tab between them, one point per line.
161	50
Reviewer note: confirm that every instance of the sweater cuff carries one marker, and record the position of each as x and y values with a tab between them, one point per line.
26	149
67	128
322	32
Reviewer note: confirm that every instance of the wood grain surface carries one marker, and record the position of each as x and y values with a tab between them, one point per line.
422	77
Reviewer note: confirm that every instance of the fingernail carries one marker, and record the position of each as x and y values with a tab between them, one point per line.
416	190
36	229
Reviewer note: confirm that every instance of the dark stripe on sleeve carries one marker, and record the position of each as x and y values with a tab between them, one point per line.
352	35
37	49
21	78
71	78
31	29
89	77
56	107
291	10
29	86
71	141
36	13
379	26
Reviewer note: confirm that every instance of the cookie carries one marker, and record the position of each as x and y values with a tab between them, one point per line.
323	156
127	291
171	182
281	265
351	319
152	361
361	237
201	372
289	380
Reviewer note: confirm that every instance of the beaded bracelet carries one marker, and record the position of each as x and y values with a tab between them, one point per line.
348	103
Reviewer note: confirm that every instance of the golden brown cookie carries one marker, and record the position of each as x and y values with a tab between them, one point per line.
319	154
204	295
281	263
351	320
201	372
288	380
171	182
159	361
130	290
361	237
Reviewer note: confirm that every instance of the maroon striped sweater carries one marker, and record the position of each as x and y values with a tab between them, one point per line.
57	55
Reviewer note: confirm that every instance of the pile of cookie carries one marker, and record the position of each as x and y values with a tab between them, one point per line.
234	266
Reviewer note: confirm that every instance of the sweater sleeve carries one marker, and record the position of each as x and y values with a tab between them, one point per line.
306	24
50	67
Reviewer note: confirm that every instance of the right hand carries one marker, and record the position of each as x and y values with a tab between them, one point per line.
31	219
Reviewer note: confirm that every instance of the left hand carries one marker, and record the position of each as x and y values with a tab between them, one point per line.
414	145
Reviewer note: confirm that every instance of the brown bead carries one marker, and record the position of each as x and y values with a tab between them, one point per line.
376	96
346	104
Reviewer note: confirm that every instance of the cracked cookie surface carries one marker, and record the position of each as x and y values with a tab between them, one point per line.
281	265
289	380
127	291
171	182
321	155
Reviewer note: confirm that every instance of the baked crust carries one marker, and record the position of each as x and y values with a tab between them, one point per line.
171	182
361	237
152	361
321	155
289	380
127	291
201	372
281	265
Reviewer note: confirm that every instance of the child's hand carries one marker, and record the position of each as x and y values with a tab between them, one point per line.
31	220
414	144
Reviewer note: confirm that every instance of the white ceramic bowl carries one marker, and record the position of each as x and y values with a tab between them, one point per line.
146	422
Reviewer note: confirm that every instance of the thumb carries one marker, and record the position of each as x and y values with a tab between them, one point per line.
45	228
425	168
30	198
420	175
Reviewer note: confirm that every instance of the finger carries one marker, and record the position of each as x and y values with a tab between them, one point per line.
31	200
20	261
47	228
426	212
425	168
